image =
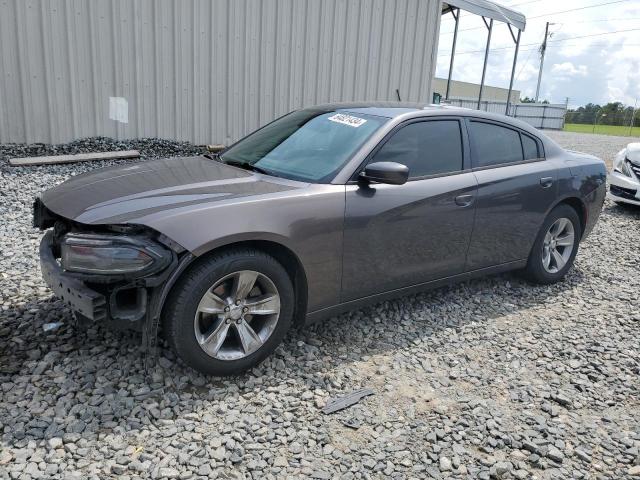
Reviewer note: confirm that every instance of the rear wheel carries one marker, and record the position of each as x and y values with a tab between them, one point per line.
555	247
229	312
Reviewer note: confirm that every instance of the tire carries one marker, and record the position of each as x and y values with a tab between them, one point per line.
195	326
540	266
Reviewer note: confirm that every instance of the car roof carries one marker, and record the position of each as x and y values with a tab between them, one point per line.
409	110
380	109
396	109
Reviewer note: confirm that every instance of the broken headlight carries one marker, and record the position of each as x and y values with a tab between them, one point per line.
621	164
112	255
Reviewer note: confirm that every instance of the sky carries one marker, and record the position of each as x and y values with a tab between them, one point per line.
601	67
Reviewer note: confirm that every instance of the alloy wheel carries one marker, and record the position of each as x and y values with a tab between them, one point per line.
237	315
558	245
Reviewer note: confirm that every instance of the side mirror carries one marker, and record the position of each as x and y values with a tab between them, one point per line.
386	172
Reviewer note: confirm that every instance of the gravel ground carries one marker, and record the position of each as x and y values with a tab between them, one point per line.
490	378
602	146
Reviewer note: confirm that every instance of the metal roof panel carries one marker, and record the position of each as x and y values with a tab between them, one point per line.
489	9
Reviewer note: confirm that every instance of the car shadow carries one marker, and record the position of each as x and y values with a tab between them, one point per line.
99	373
430	307
624	209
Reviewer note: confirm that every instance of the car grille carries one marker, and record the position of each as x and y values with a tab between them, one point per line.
621	192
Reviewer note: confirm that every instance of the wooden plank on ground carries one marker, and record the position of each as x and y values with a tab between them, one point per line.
80	157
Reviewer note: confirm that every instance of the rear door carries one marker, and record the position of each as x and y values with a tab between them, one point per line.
516	187
401	235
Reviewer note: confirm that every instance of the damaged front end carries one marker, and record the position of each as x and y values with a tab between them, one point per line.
624	179
116	274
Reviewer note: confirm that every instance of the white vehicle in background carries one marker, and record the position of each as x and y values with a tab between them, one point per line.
624	180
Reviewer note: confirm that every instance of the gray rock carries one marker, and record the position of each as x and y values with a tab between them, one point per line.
295	448
166	472
445	464
55	442
555	454
219	454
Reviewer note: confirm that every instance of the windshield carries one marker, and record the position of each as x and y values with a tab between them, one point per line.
309	145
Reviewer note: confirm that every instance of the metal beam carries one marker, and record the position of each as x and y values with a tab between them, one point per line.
486	57
456	15
513	70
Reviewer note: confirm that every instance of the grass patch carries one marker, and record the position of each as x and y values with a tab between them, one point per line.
602	129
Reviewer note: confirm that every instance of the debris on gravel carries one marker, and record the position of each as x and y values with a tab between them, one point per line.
492	378
340	403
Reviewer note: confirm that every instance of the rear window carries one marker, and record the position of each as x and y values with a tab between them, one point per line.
530	147
494	145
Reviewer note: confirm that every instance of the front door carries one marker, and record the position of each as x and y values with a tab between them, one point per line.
402	235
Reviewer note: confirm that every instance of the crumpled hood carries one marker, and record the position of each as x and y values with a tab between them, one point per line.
633	153
124	194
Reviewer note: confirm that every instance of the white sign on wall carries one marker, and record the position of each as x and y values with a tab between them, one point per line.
119	109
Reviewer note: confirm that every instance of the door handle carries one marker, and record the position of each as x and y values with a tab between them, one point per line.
464	200
546	182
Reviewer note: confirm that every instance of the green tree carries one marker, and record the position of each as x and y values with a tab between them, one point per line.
532	100
613	113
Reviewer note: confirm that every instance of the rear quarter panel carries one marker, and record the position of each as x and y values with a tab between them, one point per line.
583	176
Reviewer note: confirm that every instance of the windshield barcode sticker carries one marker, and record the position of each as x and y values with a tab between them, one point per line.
347	120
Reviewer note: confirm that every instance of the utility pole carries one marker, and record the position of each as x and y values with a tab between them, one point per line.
543	49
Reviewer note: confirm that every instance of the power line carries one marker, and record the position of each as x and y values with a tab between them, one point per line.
595	35
591	46
537	48
595	45
523	3
526	62
579	8
629	19
550	41
607	20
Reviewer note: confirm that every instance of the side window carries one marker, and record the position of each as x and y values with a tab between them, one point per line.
530	147
427	148
494	145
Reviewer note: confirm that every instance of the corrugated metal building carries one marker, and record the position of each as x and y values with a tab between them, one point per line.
469	91
206	71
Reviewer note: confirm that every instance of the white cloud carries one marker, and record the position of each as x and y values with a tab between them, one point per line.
568	69
584	61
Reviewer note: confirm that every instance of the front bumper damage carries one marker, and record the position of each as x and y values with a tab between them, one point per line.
120	302
123	301
624	189
80	298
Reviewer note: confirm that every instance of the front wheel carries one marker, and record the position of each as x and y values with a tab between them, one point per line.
555	247
229	312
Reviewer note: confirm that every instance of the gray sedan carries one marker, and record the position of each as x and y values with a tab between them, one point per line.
323	210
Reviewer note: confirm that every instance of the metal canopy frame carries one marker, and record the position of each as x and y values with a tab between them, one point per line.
491	11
